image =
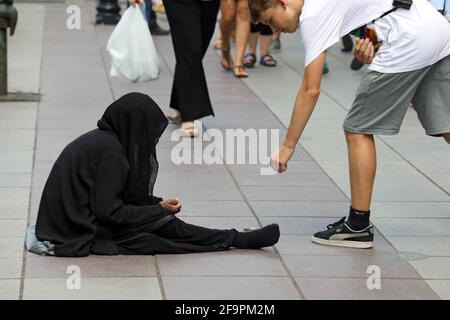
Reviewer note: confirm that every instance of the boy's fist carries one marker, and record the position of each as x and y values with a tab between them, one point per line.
281	158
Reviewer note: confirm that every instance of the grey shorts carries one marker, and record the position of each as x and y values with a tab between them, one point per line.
383	99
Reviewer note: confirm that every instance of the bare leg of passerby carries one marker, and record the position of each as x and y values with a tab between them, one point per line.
242	35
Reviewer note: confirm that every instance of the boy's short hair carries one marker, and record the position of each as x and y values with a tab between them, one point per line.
257	7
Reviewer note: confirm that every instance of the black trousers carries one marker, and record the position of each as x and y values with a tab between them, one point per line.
192	24
173	237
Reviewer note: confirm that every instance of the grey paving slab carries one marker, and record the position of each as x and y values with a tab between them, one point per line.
195	177
231	263
10	268
300	225
433	267
16	161
413	227
17	123
199	208
48	152
12	228
198	192
300	209
91	267
141	288
427	210
441	287
11	247
294	167
395	182
14	196
290	179
356	289
17	138
294	193
321	266
18	210
18	110
428	246
17	180
9	289
231	288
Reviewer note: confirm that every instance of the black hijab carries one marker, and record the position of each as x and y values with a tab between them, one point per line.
138	123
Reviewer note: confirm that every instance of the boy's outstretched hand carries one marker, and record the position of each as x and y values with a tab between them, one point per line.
171	205
365	50
281	157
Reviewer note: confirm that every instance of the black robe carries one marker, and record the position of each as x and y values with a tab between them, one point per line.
103	181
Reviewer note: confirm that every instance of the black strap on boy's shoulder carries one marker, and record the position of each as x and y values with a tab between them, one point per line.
398	4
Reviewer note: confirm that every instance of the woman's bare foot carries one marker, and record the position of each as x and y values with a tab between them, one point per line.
239	71
226	60
189	129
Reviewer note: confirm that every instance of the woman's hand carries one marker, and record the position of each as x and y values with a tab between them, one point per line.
171	205
281	157
136	2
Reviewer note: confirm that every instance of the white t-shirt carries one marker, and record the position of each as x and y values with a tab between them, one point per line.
411	39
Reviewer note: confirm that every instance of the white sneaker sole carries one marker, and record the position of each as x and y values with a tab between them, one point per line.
343	243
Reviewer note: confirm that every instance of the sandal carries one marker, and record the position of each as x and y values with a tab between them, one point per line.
226	54
240	71
174	118
189	129
268	61
249	60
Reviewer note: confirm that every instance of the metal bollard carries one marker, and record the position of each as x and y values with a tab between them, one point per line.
8	19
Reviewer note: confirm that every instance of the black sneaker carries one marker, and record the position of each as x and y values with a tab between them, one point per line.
339	234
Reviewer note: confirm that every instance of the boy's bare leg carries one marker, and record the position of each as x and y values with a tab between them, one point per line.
362	165
242	35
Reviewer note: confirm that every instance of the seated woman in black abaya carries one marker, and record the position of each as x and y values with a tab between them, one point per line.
98	198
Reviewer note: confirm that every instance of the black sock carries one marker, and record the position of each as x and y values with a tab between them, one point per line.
358	219
264	237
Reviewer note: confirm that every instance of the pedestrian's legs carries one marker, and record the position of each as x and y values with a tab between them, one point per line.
362	165
190	92
228	9
209	12
242	34
151	16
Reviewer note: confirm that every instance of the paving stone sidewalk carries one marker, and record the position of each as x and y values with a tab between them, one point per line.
70	68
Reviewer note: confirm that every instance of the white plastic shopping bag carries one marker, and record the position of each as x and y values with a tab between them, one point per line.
131	47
